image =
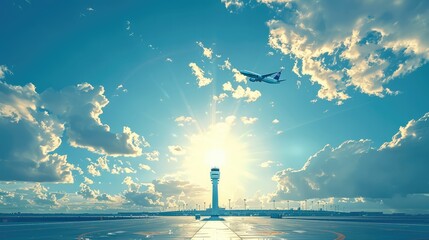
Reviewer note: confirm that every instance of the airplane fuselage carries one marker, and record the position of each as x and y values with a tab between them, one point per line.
255	77
269	80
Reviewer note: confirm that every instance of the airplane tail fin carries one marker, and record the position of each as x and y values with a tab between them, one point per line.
277	76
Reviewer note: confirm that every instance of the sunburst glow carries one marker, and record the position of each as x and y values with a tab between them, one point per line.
218	146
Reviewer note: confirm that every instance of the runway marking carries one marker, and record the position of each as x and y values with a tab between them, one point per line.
198	230
340	236
215	230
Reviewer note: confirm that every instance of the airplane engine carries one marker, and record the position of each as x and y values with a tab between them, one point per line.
252	79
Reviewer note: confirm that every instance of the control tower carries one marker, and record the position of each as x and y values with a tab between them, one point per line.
214	175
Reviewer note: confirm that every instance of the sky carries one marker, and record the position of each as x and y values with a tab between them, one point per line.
108	106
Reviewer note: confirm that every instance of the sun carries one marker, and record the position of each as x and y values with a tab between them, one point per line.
218	146
216	157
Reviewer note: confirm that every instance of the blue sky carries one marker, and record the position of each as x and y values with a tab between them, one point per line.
127	106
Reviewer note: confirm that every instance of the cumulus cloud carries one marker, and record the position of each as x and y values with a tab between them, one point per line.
240	92
207	52
145	167
238	76
32	125
182	120
266	164
226	65
3	71
30	198
199	73
88	193
173	187
355	169
275	121
220	98
232	3
248	120
176	150
88	181
103	163
28	136
120	89
119	170
148	198
362	45
152	156
92	169
80	108
168	191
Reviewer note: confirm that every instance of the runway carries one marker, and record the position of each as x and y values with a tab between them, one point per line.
231	228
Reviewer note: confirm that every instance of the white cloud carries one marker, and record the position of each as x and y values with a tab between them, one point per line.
128	25
121	88
207	52
3	71
366	47
152	156
232	3
34	197
275	121
170	186
199	73
295	69
269	2
148	198
238	76
169	60
227	87
226	65
182	120
248	120
145	167
80	107
176	150
88	193
88	181
266	164
119	170
103	163
220	98
240	92
92	169
355	169
28	136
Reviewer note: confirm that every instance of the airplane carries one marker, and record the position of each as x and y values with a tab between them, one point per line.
255	77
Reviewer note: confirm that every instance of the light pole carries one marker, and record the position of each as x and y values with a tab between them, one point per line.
229	203
244	204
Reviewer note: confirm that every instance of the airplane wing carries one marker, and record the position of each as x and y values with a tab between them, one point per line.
267	75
